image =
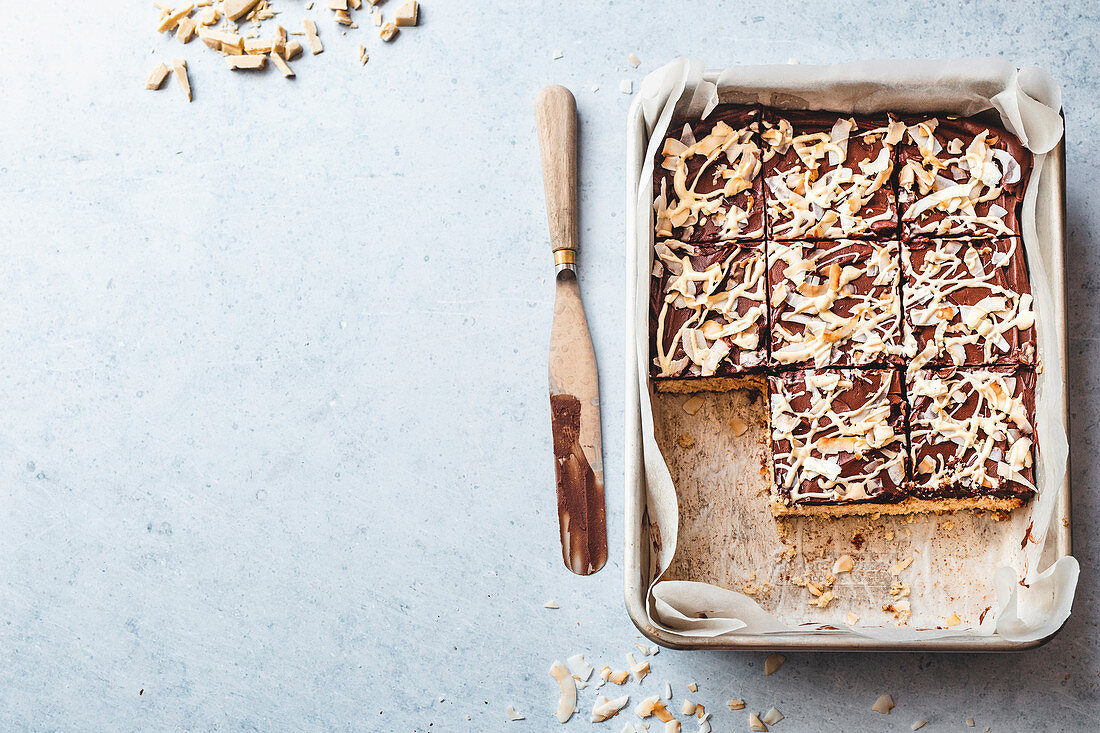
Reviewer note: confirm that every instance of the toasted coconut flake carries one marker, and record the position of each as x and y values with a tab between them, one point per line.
668	691
852	619
654	650
179	68
772	717
567	704
557	54
693	404
653	706
512	714
773	663
953	619
156	77
970	723
406	15
551	604
736	704
755	724
843	564
605	709
900	565
884	704
633	60
918	725
619	677
693	687
672	726
582	670
688	708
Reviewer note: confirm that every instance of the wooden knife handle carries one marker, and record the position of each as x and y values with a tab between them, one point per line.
556	115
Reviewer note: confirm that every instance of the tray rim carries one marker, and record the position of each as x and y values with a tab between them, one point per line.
635	584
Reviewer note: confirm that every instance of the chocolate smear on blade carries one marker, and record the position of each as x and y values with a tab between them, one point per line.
580	506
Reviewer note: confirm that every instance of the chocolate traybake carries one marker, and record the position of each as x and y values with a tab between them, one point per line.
868	272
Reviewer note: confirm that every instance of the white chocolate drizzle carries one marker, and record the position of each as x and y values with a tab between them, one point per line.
730	164
933	293
992	444
716	332
823	194
819	282
848	419
951	191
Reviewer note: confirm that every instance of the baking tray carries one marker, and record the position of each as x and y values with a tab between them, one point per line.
638	565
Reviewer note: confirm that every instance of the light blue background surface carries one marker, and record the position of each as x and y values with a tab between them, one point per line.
275	441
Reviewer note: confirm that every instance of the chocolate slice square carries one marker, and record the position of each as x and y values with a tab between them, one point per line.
968	302
838	439
835	303
828	175
708	316
707	179
959	177
972	433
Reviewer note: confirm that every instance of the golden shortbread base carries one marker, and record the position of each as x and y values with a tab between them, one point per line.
906	506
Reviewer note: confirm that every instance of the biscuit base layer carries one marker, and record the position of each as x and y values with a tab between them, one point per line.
906	506
709	384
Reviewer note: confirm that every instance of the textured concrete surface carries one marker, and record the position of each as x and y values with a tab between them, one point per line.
275	452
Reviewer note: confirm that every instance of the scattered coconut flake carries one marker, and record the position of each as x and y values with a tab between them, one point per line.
654	650
969	722
953	619
688	708
693	404
643	649
549	604
918	725
736	704
619	677
626	86
157	77
582	670
739	426
672	726
901	565
557	54
668	691
513	715
639	669
693	687
364	57
628	727
884	704
633	60
843	564
852	619
567	705
755	724
772	717
773	663
605	709
653	706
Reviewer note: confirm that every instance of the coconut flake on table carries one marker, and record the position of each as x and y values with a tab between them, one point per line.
605	709
567	704
581	669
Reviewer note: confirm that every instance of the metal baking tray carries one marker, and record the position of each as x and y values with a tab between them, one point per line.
637	568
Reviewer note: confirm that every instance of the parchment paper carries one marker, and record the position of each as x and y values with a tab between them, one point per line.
723	564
